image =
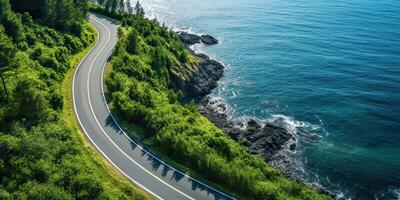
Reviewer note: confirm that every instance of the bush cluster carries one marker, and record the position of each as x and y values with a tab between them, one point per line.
145	58
41	157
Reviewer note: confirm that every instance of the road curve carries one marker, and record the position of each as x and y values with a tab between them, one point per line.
138	165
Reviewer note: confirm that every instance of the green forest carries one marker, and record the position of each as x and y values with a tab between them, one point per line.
42	153
145	59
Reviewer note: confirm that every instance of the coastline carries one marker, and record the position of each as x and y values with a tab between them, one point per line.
160	90
264	139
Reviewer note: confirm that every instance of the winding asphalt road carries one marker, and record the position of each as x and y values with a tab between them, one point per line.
138	165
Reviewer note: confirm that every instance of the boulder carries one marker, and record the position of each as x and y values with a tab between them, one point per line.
264	140
208	39
189	38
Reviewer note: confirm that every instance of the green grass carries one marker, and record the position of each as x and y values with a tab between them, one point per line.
115	183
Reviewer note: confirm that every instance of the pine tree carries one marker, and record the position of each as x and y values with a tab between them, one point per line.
7	52
139	11
121	6
101	2
114	6
129	7
133	40
123	22
108	5
158	58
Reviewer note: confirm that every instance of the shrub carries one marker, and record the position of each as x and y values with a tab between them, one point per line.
141	93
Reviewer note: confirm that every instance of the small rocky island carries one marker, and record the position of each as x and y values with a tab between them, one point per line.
190	39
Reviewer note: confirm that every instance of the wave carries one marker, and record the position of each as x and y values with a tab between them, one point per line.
291	162
390	193
396	193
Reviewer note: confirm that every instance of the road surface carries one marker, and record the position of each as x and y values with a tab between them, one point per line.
138	165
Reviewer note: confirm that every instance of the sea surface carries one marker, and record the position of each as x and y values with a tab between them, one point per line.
328	71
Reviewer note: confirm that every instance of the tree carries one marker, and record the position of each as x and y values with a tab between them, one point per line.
34	190
121	6
114	5
101	2
7	52
36	8
123	22
129	7
108	5
61	14
133	42
159	59
31	100
139	11
63	11
12	25
184	57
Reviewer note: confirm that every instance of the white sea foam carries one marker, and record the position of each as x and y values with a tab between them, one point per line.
299	129
397	193
390	193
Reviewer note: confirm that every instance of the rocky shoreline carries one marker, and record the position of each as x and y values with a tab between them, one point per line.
260	139
263	139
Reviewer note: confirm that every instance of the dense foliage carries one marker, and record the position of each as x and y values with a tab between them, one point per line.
41	156
64	15
120	7
146	57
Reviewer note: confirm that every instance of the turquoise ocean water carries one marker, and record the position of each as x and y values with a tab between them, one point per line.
328	71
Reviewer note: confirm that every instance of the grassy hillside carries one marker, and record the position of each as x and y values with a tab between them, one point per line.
42	153
139	84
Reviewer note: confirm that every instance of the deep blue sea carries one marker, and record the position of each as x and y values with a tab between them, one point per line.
319	68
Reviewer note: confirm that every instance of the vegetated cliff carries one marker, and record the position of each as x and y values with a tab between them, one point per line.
150	67
260	139
200	81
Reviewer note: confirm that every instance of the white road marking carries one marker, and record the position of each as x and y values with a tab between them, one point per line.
105	133
88	136
147	152
102	88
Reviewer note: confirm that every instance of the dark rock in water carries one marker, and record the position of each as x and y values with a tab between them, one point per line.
293	147
189	38
253	122
204	79
208	39
260	139
264	140
202	55
200	82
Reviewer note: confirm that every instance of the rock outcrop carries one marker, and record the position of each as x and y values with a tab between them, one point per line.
189	38
260	139
265	140
208	39
203	80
